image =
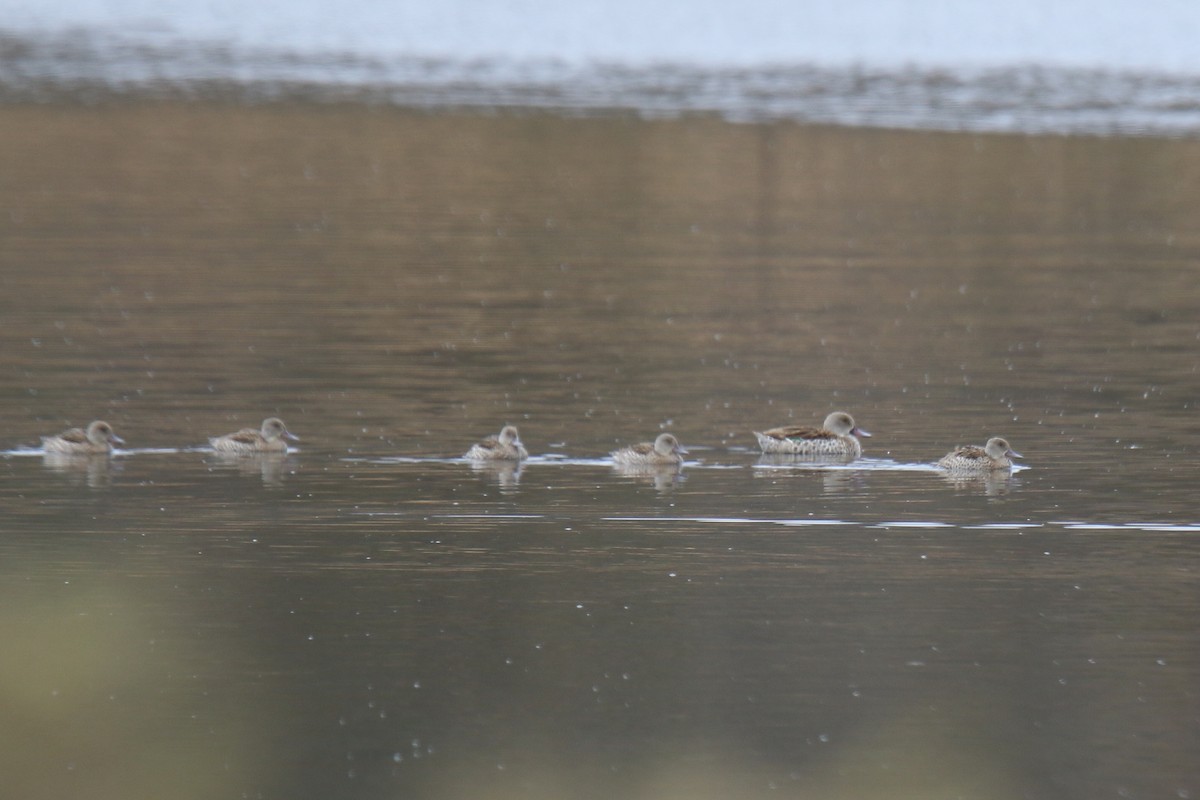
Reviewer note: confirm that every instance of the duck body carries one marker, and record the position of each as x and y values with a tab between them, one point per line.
506	446
837	438
98	438
995	455
270	438
664	451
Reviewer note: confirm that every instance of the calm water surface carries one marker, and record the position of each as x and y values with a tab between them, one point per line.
369	617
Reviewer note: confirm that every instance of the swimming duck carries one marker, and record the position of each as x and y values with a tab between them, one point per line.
836	438
666	451
505	447
98	438
996	454
269	439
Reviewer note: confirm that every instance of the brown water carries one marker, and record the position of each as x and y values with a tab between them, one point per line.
369	618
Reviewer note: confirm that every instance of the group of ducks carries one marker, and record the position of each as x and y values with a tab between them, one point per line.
99	437
836	439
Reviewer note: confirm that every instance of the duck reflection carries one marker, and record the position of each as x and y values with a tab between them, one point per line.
992	484
833	481
842	481
506	474
665	477
93	469
270	466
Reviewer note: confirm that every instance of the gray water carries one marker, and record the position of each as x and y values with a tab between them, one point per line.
371	617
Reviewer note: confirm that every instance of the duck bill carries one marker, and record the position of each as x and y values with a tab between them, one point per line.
116	439
681	450
291	436
1013	454
861	432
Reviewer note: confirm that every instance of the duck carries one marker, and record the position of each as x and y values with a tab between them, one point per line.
504	447
98	438
837	438
268	439
665	451
994	455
